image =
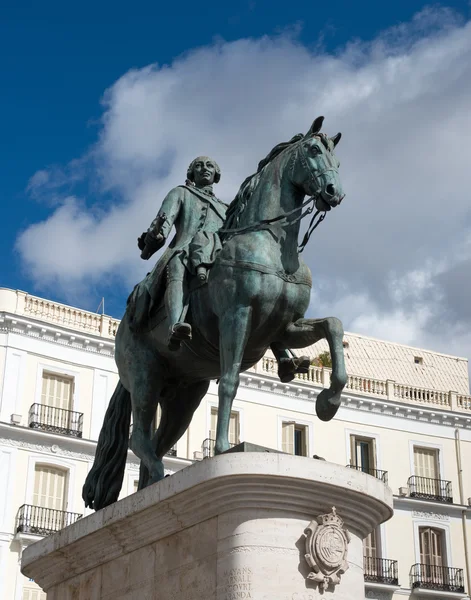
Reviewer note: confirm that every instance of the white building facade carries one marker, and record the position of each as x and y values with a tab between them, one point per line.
405	419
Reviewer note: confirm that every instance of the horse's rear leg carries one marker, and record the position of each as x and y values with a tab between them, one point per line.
146	385
177	412
234	328
305	332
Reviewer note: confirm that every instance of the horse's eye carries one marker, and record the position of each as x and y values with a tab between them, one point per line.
315	150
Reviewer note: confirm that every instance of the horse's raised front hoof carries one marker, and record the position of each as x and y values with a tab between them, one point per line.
327	404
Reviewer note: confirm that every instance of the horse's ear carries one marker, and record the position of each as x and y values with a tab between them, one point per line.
316	126
336	138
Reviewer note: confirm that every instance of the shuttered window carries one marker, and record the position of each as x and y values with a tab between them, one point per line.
294	438
431	546
426	462
363	453
57	391
50	487
287	438
370	545
234	426
34	594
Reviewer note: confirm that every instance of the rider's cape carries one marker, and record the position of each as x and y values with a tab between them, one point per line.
197	216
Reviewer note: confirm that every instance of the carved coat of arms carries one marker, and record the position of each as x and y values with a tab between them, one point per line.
326	549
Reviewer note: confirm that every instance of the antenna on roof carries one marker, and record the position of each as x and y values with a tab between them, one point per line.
102	304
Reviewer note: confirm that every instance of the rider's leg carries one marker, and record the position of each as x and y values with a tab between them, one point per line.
174	302
288	363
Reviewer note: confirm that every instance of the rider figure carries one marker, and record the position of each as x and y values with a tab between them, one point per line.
197	214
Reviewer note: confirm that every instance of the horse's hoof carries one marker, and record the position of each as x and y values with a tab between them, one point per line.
327	405
154	479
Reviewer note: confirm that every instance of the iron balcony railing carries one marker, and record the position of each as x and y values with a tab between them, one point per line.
56	420
207	447
430	489
431	577
383	475
380	570
43	521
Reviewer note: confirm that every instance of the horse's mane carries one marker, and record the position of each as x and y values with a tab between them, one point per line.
237	206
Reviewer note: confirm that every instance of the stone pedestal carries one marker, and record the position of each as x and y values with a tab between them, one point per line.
226	528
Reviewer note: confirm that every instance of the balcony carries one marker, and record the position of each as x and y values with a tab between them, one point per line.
382	475
43	521
207	447
431	577
380	570
56	420
430	489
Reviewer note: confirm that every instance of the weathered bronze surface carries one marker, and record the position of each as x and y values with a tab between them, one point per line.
213	326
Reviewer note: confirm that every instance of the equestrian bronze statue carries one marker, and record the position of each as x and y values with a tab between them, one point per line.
229	286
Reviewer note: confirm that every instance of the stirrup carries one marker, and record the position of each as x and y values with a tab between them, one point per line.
179	333
288	367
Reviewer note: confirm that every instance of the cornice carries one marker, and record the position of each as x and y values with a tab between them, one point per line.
428	509
360	402
49	332
69	447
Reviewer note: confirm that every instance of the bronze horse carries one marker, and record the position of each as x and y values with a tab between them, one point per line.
257	294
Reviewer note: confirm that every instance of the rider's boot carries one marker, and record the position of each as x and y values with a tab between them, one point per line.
289	365
179	331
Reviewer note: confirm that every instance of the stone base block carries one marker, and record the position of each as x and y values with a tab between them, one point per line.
233	527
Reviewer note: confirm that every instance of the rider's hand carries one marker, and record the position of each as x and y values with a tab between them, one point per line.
141	241
152	243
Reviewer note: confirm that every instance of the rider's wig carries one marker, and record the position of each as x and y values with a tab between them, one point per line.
190	175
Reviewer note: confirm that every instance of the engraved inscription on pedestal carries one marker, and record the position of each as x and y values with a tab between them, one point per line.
326	549
238	584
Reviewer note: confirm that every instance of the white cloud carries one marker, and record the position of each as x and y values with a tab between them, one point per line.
390	261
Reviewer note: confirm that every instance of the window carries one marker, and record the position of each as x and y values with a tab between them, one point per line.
431	546
57	391
418	360
50	484
432	556
234	427
426	462
34	594
136	485
294	438
363	455
371	546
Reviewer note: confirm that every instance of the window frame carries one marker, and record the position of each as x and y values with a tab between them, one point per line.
58	463
309	428
358	433
418	523
236	408
60	372
431	446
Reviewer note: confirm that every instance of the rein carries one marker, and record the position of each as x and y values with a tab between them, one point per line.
284	216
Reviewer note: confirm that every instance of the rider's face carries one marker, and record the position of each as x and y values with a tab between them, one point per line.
204	171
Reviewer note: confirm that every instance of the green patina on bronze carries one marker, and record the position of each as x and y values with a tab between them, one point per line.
228	287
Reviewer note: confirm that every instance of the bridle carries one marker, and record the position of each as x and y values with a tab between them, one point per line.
309	203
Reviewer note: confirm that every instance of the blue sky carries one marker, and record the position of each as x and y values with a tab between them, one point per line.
79	166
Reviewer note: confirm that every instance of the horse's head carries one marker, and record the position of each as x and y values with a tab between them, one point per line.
316	168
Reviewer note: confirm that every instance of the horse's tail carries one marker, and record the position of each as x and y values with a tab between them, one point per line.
105	479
